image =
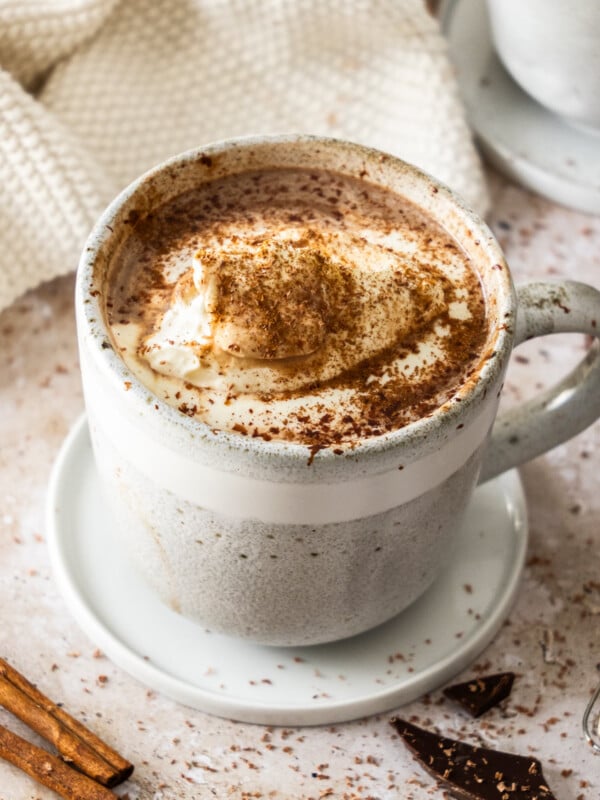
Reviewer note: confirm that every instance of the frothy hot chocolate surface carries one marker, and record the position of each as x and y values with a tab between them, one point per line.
287	304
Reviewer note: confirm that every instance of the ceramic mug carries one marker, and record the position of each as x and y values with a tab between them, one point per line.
244	535
552	51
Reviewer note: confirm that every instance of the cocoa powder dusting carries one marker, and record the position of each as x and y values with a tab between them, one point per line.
298	294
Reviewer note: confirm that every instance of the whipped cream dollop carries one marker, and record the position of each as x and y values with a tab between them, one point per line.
308	306
269	302
288	305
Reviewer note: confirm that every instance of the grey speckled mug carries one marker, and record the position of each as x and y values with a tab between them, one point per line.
245	536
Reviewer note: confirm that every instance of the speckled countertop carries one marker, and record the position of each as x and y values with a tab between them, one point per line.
551	638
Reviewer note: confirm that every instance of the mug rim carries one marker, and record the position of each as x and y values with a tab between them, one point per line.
412	436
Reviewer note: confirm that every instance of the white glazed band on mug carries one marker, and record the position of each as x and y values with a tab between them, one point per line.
338	490
296	503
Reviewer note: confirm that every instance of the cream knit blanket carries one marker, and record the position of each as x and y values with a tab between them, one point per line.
94	92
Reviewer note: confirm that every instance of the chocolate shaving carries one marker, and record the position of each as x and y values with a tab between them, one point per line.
475	773
480	694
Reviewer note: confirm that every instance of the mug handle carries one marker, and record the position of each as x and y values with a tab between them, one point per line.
558	413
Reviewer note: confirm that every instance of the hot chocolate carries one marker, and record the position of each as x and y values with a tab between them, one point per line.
301	305
282	288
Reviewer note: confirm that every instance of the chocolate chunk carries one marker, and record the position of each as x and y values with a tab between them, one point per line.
475	773
481	694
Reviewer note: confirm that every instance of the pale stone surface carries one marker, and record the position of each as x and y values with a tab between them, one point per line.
183	753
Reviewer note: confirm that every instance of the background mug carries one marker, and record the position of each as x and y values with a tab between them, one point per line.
552	51
244	535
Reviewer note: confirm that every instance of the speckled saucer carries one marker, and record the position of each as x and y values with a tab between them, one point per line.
391	665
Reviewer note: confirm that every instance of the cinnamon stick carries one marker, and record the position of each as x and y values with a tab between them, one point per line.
75	743
49	770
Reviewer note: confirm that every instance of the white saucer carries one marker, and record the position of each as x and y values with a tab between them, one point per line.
418	651
517	135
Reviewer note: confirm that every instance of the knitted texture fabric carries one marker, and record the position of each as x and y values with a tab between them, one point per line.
94	92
